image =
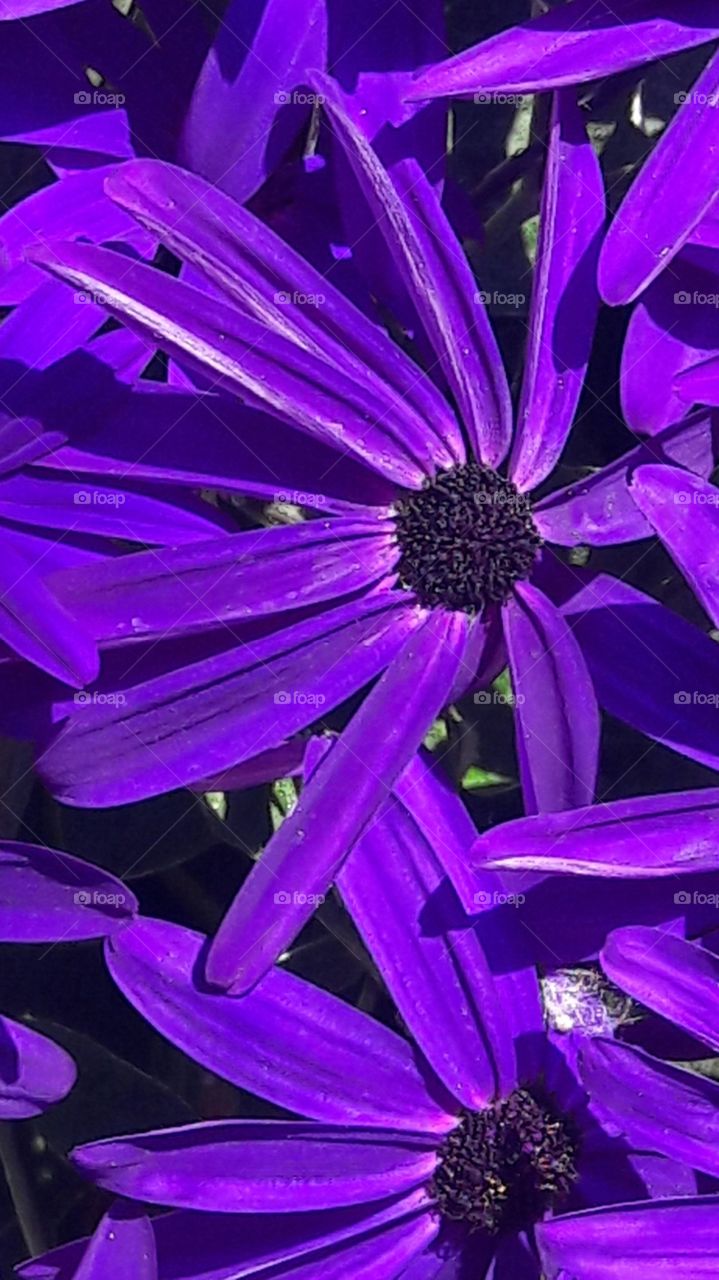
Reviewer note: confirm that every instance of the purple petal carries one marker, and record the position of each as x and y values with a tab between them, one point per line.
669	331
565	299
439	280
164	591
209	715
600	510
123	1247
75	206
682	509
48	896
259	1166
637	839
279	762
439	813
555	707
650	668
287	1040
254	268
654	1106
87	507
214	442
647	233
700	383
569	46
218	1246
240	117
35	624
680	1236
678	980
395	889
10	9
34	1071
240	354
302	859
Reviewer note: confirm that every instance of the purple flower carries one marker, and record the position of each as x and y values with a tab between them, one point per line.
478	1142
419	567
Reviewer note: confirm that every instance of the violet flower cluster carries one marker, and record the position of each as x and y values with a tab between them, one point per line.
286	500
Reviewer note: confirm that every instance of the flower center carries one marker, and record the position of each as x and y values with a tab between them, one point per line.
465	539
505	1167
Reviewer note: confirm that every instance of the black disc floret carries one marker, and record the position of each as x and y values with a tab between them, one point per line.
465	539
506	1167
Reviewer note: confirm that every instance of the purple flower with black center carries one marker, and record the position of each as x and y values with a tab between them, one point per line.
475	1144
426	566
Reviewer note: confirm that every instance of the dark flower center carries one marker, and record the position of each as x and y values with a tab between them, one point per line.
504	1168
465	539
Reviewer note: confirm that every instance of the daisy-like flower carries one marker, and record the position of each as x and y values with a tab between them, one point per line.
471	1144
427	565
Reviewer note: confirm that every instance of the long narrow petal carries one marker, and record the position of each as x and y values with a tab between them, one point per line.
270	281
600	510
259	1166
570	46
287	1041
678	980
395	888
205	333
650	668
555	706
646	232
679	1237
196	1245
123	1247
84	506
700	383
49	896
302	859
633	839
242	575
440	814
200	718
653	1105
439	280
683	511
34	1071
565	298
